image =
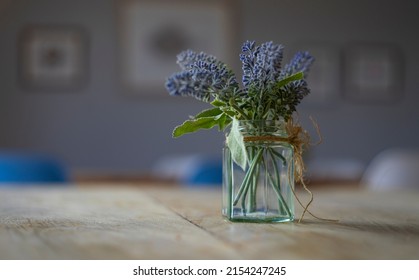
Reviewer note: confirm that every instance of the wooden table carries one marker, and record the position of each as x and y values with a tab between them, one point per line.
149	222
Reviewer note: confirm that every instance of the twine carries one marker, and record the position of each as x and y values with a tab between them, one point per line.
297	138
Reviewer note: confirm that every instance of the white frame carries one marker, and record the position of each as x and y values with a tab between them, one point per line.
373	73
153	32
52	57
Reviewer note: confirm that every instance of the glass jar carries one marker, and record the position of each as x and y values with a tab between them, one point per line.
263	190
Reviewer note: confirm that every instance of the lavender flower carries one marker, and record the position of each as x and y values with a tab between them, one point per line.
261	65
296	91
187	59
300	63
248	58
203	77
183	84
268	63
268	91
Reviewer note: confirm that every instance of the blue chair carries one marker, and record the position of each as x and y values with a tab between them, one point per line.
190	170
25	168
205	172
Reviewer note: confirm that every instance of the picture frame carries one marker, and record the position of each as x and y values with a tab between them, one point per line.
153	32
52	57
373	73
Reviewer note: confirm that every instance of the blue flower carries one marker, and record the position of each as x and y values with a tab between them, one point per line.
184	84
300	63
269	59
299	89
203	77
263	94
261	64
187	59
248	58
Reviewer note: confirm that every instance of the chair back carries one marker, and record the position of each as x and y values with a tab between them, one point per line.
30	168
393	169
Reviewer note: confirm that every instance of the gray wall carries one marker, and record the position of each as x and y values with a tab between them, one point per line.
102	127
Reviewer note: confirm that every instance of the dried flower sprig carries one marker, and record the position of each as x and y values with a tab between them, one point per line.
203	77
269	92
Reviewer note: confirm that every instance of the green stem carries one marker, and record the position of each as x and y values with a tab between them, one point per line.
277	185
229	183
245	184
284	161
238	109
251	179
255	180
246	190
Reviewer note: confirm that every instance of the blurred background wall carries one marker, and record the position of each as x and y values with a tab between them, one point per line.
103	126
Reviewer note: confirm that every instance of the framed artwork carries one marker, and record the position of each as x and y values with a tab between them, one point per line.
52	57
153	32
373	73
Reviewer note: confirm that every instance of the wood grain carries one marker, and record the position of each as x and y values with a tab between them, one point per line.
370	226
97	224
119	222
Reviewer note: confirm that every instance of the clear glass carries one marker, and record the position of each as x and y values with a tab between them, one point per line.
263	192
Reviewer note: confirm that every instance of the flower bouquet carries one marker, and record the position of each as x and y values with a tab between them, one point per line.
262	155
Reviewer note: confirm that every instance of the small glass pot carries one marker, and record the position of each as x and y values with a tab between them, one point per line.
263	191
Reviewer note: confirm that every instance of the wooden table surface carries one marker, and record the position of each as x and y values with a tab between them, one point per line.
149	222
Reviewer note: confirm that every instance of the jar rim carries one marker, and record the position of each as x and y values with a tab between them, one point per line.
262	127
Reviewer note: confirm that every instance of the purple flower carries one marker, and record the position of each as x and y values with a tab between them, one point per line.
187	59
248	58
263	94
261	64
203	76
300	63
183	84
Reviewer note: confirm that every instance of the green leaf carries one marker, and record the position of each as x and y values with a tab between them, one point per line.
212	112
218	103
193	125
287	80
223	121
236	145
